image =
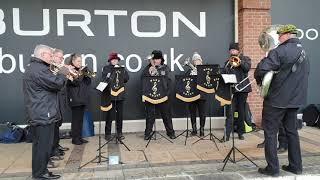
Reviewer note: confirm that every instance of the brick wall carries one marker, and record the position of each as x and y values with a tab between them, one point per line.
253	17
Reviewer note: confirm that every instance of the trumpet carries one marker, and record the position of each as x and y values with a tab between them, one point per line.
153	71
193	68
56	68
85	71
234	61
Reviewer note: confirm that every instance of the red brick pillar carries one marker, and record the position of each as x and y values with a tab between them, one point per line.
253	17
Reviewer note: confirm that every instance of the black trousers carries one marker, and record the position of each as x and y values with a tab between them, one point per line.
271	119
41	148
238	104
200	106
56	138
117	110
282	137
77	122
165	113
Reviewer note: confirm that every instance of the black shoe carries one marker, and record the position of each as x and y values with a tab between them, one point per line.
56	158
120	136
241	137
52	164
224	139
147	136
289	169
261	145
48	175
107	137
281	150
201	131
172	136
194	132
268	172
63	148
77	142
84	141
57	152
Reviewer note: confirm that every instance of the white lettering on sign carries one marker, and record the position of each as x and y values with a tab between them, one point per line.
17	29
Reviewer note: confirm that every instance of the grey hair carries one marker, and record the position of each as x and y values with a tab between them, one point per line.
40	48
57	51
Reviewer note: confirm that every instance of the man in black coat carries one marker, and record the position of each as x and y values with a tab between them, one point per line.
158	68
40	88
240	97
287	92
57	149
117	100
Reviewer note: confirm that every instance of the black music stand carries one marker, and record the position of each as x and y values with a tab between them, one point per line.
232	80
99	158
212	137
116	137
180	91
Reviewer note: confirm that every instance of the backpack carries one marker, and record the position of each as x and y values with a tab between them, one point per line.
311	115
14	134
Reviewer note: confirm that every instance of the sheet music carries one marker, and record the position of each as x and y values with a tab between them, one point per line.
229	78
101	86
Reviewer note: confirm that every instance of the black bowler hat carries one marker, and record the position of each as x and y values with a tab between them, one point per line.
234	46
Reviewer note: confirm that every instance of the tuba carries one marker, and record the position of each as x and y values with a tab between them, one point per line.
268	40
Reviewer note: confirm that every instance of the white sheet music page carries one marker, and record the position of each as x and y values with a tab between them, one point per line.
101	86
229	78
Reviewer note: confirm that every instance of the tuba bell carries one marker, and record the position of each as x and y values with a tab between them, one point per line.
268	40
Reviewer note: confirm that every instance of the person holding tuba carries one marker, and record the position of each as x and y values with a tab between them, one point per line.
117	101
78	96
198	104
157	67
239	65
289	60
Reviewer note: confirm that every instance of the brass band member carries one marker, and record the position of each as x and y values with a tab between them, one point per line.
198	104
239	65
117	102
78	95
158	68
40	88
57	149
287	92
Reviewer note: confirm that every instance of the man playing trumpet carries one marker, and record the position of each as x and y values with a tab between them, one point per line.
239	65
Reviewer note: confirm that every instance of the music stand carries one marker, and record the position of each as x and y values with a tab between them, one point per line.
154	133
232	80
187	94
98	157
116	137
212	137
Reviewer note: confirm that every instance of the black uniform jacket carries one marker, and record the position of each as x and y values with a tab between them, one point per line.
40	88
288	89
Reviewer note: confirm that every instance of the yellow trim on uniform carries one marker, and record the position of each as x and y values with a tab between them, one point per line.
222	101
116	93
106	108
152	101
206	89
191	99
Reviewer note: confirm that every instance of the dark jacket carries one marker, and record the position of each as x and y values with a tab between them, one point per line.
109	69
241	72
164	72
63	104
40	88
79	91
288	89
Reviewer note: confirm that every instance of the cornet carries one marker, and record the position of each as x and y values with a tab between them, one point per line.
193	68
85	71
234	61
71	74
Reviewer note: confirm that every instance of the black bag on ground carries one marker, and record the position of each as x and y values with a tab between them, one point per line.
311	115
